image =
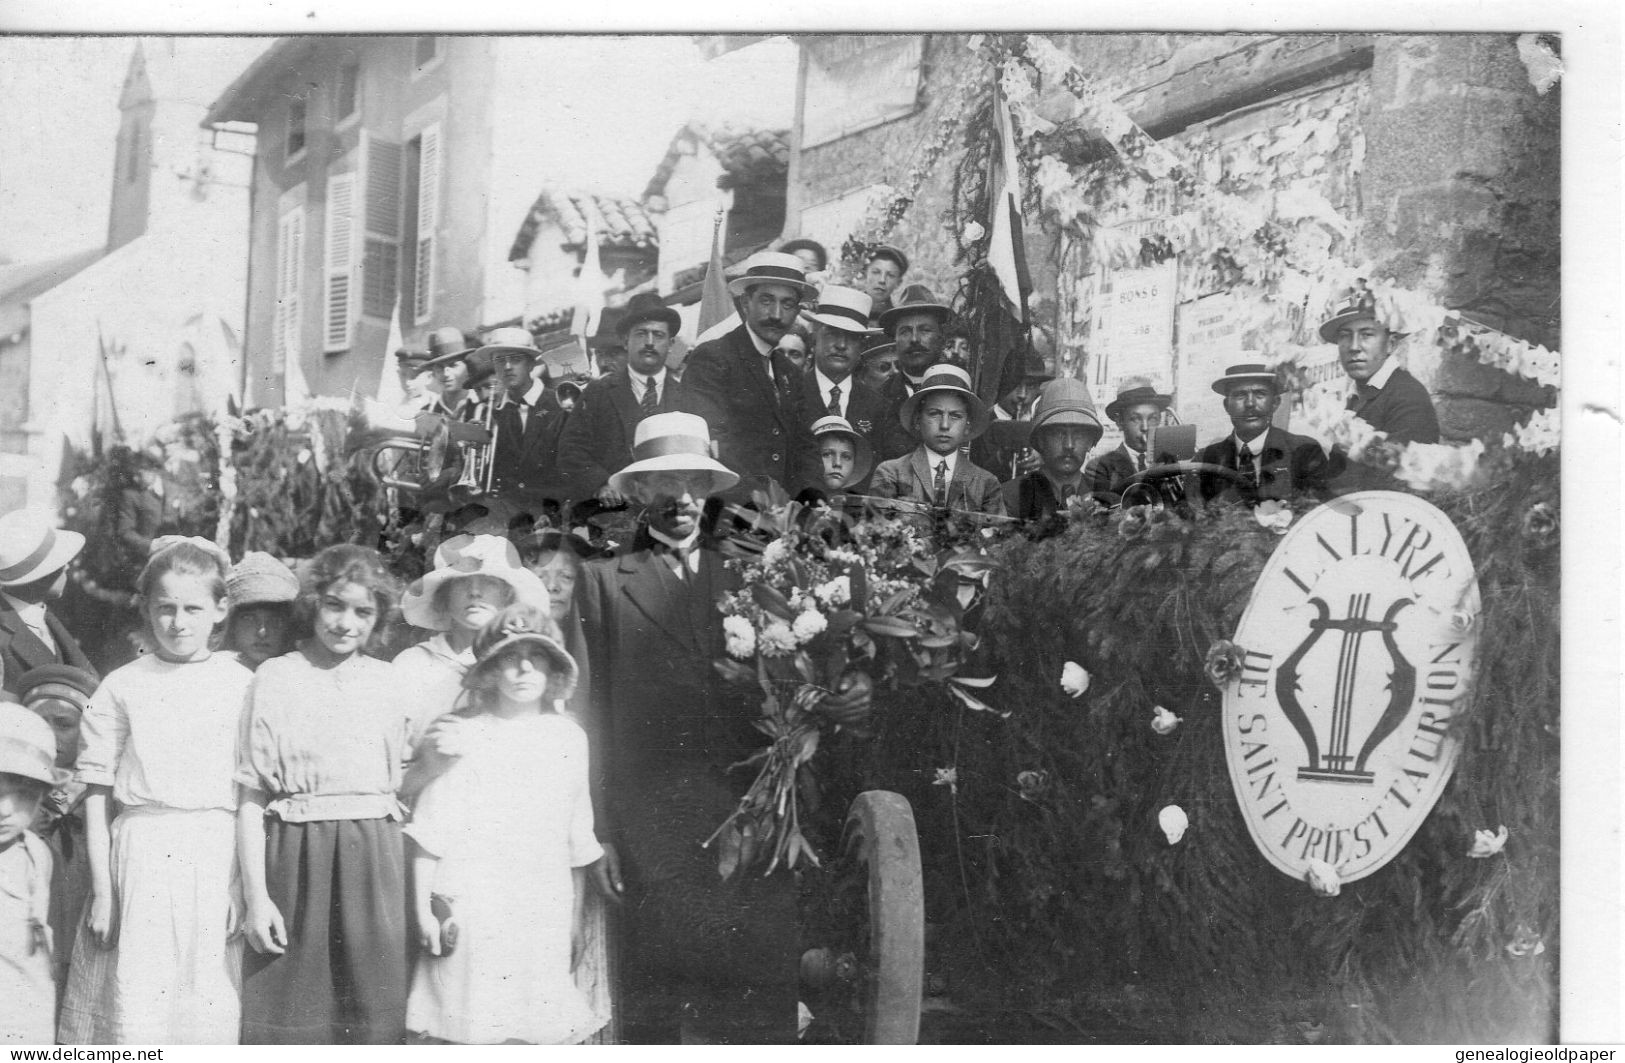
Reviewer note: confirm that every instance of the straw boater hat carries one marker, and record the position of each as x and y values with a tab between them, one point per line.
260	579
469	555
1136	391
647	306
28	746
863	455
1353	311
510	338
915	299
673	442
447	344
844	308
31	549
1246	371
951	378
773	267
522	625
1067	401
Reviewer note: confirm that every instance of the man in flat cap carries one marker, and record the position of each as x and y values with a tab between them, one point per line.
1268	462
1385	396
597	439
752	397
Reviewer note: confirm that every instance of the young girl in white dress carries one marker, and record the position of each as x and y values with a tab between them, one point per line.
502	839
160	738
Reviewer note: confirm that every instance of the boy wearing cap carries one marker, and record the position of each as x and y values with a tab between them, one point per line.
1385	396
28	770
597	438
1268	462
260	591
752	397
944	414
1137	409
1064	429
882	273
34	558
708	960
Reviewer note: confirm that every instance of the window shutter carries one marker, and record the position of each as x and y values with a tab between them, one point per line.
285	323
428	222
339	272
383	168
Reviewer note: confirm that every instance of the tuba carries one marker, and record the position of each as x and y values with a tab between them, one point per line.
440	462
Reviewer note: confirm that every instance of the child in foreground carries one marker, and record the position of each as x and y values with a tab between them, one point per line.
27	772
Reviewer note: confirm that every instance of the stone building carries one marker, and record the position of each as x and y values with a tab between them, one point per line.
1430	162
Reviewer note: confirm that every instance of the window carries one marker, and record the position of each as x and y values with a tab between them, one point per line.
290	245
381	213
296	128
425	53
348	91
427	218
339	264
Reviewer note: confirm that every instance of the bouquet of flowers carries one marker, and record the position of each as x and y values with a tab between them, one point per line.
825	597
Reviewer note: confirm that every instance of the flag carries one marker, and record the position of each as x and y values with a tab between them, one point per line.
104	406
717	314
589	301
1004	343
390	392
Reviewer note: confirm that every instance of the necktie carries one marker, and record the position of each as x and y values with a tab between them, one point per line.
1246	463
835	401
940	487
1139	461
651	401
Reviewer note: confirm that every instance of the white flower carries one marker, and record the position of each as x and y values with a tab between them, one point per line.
948	777
1173	822
775	552
740	636
973	232
1074	680
776	639
1322	878
808	625
1488	843
1273	515
837	591
1163	722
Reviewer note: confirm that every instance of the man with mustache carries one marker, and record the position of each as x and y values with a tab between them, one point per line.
839	333
751	395
1269	462
597	439
918	326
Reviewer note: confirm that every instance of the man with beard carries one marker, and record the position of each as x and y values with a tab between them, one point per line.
1064	428
597	440
707	960
1269	462
917	325
839	332
751	395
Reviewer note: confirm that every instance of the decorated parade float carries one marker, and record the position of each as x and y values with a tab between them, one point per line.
1285	774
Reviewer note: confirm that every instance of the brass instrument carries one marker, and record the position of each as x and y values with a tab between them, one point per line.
442	463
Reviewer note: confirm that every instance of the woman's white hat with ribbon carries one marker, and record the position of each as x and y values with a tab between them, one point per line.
32	548
674	442
470	555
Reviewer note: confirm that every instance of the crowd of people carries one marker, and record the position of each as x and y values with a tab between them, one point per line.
261	831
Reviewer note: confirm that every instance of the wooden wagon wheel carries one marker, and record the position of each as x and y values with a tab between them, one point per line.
881	839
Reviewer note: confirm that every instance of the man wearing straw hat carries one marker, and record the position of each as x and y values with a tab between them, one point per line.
34	559
943	415
527	418
1269	462
706	959
1385	396
1137	409
840	331
751	395
1064	429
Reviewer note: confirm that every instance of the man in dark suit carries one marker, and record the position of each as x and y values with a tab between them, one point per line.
918	325
1137	409
719	957
1385	396
752	396
1007	450
1267	462
840	329
34	559
597	439
528	422
1064	427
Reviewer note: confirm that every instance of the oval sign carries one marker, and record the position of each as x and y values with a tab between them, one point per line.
1356	646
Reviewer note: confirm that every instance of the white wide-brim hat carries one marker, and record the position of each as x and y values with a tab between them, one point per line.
674	442
773	267
846	309
28	746
470	555
31	547
950	378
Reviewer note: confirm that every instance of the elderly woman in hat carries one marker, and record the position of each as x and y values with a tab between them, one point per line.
943	415
664	729
1064	429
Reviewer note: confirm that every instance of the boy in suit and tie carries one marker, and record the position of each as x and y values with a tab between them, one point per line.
1385	396
1137	409
944	414
34	559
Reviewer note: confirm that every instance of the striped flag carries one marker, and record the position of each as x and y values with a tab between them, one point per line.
717	314
1004	342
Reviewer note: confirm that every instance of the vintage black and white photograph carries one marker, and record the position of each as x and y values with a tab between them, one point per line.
1044	537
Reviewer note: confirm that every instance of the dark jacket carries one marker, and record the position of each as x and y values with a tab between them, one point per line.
761	431
911	479
527	457
864	405
597	437
1402	408
891	439
1292	465
1109	469
1033	497
21	649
